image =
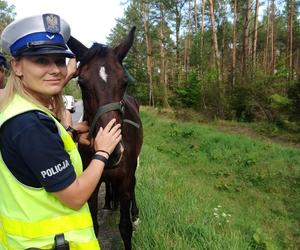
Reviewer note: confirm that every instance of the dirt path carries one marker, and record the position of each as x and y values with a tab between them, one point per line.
108	236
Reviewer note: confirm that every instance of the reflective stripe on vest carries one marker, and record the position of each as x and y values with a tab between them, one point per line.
47	227
31	217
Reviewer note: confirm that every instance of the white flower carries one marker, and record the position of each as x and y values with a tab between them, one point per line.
223	214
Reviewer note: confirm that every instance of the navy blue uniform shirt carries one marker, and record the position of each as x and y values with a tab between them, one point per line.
34	153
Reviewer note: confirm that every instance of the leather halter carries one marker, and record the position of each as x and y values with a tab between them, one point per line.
111	107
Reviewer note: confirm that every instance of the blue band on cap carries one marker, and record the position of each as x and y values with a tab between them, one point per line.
34	37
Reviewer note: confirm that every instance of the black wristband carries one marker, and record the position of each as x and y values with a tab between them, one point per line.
74	133
100	158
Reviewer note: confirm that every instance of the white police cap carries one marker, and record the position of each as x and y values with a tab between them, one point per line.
37	35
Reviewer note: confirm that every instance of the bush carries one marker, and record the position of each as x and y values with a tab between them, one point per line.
72	88
188	95
294	95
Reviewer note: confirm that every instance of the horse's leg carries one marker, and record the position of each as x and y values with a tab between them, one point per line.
111	197
108	196
115	198
93	204
134	209
125	225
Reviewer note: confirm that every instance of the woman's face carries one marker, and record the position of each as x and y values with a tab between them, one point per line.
42	75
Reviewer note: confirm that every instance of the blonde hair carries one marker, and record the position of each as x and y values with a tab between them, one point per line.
14	86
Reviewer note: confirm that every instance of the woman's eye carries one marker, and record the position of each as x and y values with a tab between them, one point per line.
60	62
47	61
42	60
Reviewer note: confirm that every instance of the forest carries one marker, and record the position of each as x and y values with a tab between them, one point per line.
227	59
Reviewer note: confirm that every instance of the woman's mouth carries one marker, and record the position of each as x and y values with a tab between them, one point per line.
53	81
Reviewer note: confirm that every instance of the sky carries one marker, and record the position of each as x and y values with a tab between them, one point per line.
90	20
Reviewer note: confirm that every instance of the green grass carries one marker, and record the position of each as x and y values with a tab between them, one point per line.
198	188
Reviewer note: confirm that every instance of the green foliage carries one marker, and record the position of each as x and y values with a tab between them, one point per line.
72	88
280	102
189	94
240	103
7	14
261	242
294	95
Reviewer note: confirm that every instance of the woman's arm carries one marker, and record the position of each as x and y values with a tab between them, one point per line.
75	195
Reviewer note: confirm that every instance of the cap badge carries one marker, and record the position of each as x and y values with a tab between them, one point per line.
51	23
50	37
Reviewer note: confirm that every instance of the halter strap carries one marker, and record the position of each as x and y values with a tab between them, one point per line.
107	108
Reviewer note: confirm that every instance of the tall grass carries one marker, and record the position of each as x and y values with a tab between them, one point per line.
198	188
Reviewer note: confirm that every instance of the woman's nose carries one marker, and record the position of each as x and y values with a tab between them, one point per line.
54	68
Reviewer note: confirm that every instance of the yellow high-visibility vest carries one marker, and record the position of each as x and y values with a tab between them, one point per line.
31	217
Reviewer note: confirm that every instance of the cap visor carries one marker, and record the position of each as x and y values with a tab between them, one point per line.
36	52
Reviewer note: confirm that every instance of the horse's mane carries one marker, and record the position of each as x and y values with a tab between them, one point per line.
96	49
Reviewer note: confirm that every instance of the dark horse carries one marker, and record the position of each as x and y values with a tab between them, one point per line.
103	80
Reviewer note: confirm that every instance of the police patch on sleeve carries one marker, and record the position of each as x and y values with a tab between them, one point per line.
51	23
49	172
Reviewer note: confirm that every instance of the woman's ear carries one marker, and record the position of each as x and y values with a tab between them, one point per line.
16	67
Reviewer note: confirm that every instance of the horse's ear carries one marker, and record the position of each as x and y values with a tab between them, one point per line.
122	49
77	48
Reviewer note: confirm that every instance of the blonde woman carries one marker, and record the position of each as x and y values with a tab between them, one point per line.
43	189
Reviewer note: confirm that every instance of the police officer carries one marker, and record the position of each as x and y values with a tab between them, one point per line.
43	189
3	66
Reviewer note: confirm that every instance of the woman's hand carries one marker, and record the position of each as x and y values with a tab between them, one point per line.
82	129
71	68
108	138
66	120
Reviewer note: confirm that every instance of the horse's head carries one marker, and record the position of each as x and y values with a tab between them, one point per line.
103	81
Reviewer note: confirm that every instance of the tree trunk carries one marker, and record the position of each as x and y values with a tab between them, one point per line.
266	52
145	13
273	47
196	16
202	36
255	35
234	44
289	56
162	78
187	43
246	39
177	29
216	54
